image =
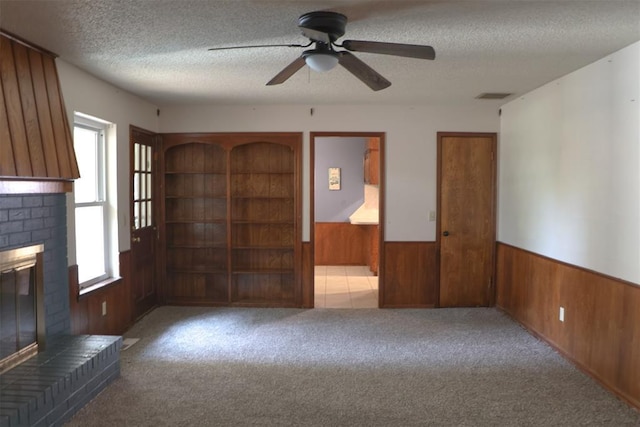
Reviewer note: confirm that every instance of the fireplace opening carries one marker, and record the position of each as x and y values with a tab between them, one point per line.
22	329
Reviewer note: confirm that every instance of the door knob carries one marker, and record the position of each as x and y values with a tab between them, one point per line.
135	239
445	233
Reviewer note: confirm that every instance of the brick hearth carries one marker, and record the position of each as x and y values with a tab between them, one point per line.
49	388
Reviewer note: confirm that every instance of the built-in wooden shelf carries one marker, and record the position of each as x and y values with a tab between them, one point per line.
231	220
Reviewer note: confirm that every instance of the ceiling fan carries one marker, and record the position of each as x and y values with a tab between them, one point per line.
323	28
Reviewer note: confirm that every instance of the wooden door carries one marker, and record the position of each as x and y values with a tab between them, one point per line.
466	226
143	223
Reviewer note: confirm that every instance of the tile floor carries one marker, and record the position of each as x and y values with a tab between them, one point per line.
352	286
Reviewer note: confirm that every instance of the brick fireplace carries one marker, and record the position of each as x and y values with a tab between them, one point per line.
37	169
27	220
52	385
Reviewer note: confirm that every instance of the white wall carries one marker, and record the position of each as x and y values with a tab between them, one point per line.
410	142
87	94
410	189
569	174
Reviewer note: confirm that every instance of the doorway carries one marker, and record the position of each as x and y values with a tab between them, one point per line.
346	218
143	225
466	226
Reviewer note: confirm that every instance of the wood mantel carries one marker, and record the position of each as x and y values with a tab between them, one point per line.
34	186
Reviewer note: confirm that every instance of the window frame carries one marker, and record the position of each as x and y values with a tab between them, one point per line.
101	128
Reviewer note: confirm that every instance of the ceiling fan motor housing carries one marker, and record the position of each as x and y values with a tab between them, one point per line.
331	23
323	28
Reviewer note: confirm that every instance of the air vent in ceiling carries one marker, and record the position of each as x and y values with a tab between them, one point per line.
493	95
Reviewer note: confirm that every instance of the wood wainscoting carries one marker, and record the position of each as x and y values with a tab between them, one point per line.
409	275
601	328
86	310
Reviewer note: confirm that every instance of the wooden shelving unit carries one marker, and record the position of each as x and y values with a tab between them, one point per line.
195	207
262	223
232	230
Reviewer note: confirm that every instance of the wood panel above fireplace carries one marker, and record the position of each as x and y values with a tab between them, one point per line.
36	146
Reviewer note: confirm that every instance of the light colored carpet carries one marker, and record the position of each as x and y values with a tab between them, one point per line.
322	367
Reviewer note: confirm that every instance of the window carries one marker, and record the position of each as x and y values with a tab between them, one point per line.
91	204
142	190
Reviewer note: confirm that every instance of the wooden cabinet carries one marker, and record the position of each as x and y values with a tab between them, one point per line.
372	162
373	232
232	226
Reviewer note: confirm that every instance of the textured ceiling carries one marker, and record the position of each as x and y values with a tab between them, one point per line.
158	48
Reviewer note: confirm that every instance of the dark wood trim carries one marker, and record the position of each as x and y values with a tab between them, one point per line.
382	191
299	290
438	213
381	197
440	136
141	130
229	139
601	329
34	186
28	44
229	225
312	209
160	217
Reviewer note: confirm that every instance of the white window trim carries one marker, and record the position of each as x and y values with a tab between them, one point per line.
102	126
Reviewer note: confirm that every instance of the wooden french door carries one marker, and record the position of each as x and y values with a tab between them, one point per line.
143	223
466	226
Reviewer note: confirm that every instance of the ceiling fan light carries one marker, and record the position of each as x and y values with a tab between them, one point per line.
322	62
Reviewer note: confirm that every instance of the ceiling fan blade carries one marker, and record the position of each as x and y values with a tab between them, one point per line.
315	35
368	75
288	71
397	49
259	45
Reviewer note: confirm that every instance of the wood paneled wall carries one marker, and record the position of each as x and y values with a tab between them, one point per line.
35	139
86	310
601	330
340	243
409	275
